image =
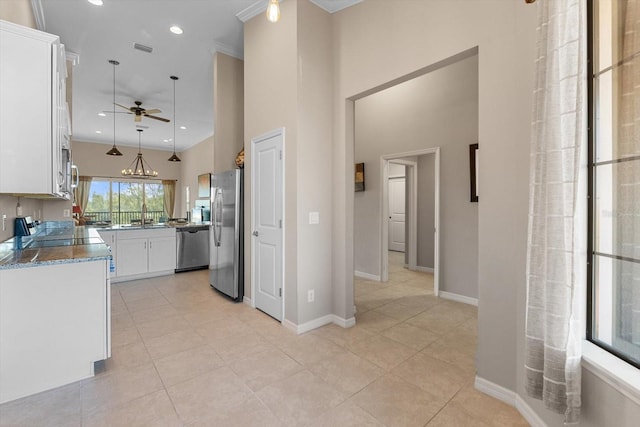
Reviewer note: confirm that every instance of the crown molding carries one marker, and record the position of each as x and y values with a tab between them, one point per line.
38	14
254	10
227	50
333	6
72	57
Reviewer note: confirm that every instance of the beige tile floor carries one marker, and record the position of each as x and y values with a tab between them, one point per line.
185	356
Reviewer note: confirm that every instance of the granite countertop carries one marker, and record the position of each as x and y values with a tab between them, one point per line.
54	243
123	227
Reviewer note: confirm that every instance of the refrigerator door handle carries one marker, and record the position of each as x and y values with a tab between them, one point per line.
217	217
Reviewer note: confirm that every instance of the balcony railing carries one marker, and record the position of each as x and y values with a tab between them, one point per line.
123	217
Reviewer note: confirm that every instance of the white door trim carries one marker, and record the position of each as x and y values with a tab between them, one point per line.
413	211
254	141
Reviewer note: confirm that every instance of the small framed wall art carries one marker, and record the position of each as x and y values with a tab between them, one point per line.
359	176
473	172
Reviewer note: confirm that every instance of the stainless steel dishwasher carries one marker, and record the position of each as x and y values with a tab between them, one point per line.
192	247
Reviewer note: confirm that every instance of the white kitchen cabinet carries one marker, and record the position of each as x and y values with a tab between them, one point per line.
145	253
34	124
162	254
109	237
55	323
133	256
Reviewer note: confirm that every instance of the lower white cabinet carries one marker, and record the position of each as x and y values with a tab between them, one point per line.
162	254
145	252
55	323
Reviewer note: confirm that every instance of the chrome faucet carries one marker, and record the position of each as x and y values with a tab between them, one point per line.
144	215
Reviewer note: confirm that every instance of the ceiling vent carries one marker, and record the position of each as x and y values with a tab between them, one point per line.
142	127
142	47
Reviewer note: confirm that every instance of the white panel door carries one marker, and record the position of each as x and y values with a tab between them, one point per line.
266	197
397	214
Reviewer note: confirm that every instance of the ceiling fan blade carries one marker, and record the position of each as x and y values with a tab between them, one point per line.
154	111
122	106
162	119
138	118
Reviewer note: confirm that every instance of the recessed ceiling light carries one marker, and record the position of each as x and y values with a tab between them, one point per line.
98	131
95	2
175	29
183	127
165	140
102	114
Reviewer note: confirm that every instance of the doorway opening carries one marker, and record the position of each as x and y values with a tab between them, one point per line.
392	220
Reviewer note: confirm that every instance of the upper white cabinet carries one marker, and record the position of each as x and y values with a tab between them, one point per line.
34	121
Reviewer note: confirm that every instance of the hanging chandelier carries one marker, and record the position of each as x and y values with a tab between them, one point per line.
114	150
174	157
139	168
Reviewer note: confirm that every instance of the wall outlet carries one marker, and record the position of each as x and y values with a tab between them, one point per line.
66	213
314	217
311	296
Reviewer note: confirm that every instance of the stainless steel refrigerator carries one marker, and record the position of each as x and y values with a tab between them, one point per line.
226	267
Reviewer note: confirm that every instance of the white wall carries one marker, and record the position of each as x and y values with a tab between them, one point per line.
271	102
426	201
228	101
437	109
376	45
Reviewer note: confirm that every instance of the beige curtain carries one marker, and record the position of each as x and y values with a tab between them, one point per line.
169	189
555	265
81	192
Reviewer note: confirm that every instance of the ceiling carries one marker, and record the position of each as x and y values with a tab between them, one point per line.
100	33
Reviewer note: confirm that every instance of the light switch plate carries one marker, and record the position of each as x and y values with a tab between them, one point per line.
66	213
314	217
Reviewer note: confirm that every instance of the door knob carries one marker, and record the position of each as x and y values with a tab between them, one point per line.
255	233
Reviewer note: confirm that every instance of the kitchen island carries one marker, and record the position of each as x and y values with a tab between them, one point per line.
55	315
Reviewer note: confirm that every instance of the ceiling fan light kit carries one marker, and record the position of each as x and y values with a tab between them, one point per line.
114	150
174	157
139	168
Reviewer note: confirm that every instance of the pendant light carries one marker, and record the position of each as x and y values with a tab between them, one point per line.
114	150
139	168
174	157
273	11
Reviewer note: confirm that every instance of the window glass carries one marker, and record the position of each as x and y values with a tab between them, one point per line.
614	297
120	201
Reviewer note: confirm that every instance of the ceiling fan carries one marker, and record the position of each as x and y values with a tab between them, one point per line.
139	112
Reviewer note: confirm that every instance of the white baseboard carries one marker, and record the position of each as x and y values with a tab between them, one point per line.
319	322
424	269
290	325
345	323
510	398
247	301
528	413
494	390
367	276
458	298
